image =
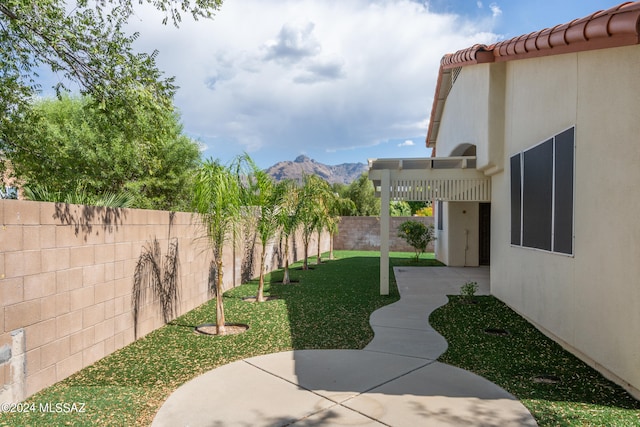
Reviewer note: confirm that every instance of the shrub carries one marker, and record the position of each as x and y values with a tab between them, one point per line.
416	234
468	291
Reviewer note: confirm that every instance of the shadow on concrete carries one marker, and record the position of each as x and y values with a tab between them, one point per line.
380	384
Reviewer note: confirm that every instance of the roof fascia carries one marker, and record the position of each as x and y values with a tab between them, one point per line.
615	27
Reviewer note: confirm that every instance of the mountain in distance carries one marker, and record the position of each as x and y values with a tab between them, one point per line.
344	173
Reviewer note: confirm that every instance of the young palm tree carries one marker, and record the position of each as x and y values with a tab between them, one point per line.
333	219
262	196
217	201
339	206
323	216
313	212
288	218
325	220
332	228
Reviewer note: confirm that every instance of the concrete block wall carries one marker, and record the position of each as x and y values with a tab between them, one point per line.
66	279
363	233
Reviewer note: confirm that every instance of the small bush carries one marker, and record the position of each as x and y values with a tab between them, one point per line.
417	235
468	291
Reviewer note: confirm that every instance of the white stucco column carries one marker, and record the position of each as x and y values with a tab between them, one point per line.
385	184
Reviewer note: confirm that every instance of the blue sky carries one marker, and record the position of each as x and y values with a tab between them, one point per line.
337	80
521	17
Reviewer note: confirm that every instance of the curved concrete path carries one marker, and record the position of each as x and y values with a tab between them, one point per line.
394	381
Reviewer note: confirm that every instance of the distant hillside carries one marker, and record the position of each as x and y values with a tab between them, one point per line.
303	165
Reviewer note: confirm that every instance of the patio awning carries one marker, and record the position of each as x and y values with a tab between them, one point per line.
451	179
433	178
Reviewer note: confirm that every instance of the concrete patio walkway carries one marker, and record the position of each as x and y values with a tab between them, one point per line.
393	381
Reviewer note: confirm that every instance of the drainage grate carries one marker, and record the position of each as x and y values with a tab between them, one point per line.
497	332
546	379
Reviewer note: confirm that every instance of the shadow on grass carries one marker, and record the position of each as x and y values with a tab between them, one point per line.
582	397
181	325
329	305
328	308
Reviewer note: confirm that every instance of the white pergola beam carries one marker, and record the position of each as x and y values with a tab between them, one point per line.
384	231
434	178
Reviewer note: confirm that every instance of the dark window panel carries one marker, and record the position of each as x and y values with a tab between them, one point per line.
537	200
563	197
516	200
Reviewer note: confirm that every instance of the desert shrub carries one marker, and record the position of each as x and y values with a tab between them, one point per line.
417	234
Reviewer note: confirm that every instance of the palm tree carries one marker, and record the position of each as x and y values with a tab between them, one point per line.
332	228
336	204
313	211
262	195
323	213
288	218
217	201
327	217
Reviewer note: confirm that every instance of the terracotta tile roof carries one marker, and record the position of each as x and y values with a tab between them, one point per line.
614	27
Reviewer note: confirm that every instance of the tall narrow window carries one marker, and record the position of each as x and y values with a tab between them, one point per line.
516	200
542	195
563	192
537	196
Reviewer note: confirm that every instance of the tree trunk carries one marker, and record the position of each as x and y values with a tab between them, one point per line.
285	279
260	297
331	246
305	264
319	260
219	307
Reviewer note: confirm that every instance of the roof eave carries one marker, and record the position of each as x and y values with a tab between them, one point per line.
615	27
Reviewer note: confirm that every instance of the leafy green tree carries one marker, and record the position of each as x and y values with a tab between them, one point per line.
399	208
362	193
84	43
217	199
343	206
417	235
66	144
339	188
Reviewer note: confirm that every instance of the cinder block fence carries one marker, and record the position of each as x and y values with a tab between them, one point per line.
363	233
67	273
66	280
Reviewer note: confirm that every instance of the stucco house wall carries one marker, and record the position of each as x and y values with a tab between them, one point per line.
457	244
591	301
588	301
470	120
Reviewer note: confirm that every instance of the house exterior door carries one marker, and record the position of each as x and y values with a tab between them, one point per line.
484	252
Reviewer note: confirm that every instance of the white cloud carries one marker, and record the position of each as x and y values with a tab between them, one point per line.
479	4
407	143
293	44
495	9
268	77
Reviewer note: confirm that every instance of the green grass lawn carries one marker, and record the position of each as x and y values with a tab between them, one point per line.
583	397
328	308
